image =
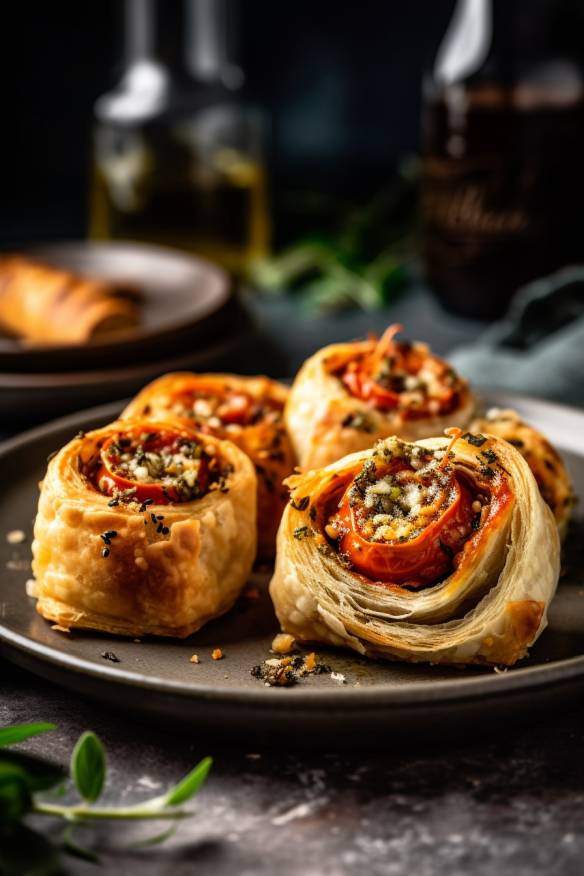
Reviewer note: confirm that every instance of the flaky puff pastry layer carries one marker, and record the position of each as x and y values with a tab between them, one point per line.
266	442
488	611
320	408
151	583
553	479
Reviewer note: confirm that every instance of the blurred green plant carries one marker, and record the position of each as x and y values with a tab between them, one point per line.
29	786
364	261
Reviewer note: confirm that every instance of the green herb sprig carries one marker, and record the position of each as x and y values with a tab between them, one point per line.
26	782
350	256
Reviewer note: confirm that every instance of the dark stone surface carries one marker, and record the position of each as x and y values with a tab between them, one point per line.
507	804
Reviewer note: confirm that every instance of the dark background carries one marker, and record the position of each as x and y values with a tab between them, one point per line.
340	82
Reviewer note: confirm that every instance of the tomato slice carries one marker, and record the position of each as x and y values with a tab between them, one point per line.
109	480
362	377
362	385
417	561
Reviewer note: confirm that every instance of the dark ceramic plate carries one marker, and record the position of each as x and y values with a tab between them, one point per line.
378	700
180	293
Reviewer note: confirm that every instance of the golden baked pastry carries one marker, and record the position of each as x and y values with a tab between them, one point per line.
47	305
247	411
143	527
553	480
349	395
424	552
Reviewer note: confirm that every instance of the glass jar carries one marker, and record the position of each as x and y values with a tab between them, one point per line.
178	157
503	139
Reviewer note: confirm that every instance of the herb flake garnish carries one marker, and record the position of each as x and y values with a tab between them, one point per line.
475	440
360	421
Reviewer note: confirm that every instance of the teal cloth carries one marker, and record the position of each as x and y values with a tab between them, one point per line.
538	347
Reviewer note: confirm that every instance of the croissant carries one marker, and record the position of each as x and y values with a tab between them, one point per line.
545	462
47	305
423	552
247	411
347	396
143	527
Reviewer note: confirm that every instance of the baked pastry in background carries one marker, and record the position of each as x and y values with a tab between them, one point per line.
349	395
247	411
143	527
553	480
48	305
437	551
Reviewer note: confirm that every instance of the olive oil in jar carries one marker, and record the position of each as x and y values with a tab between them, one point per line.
164	190
177	160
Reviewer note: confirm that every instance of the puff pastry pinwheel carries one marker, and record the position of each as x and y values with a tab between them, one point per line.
247	411
424	552
553	480
347	396
47	305
143	527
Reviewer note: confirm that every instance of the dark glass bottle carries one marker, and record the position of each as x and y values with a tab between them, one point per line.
178	157
503	150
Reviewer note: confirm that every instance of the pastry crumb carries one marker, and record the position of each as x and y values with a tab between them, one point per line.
195	658
30	587
338	677
60	629
217	654
287	671
15	536
310	662
283	643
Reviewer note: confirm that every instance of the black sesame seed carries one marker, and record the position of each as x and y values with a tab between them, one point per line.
113	503
165	530
105	553
300	504
109	655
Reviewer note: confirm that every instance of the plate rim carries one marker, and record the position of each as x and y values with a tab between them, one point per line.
137	336
438	692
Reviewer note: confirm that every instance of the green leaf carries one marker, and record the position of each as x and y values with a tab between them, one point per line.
88	766
15	796
20	732
188	786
